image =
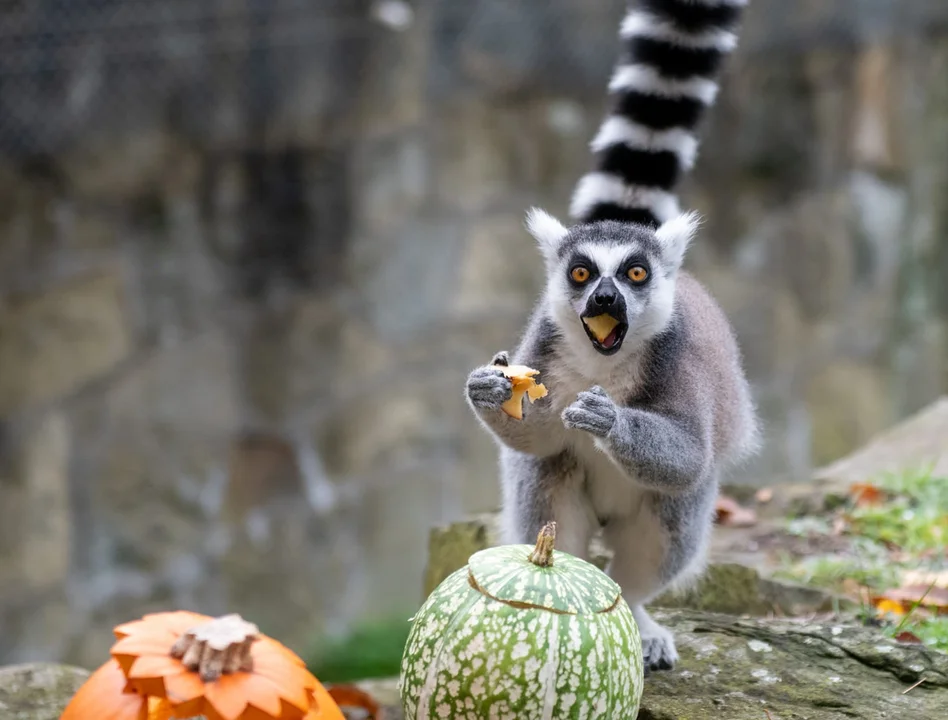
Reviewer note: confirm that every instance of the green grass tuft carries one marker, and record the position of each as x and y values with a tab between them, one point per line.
372	650
914	519
932	632
830	571
909	530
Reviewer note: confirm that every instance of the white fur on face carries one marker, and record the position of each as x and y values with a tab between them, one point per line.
648	310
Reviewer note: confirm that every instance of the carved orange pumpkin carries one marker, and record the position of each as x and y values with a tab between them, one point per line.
105	696
179	665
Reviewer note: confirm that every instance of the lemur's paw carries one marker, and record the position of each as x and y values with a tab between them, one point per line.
488	388
501	358
593	412
658	649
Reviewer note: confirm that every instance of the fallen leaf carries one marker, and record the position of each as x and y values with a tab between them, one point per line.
927	596
764	495
731	514
865	494
908	638
349	696
884	606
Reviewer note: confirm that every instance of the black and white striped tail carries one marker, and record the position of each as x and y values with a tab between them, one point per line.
667	78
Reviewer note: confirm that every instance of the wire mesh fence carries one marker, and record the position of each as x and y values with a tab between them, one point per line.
78	66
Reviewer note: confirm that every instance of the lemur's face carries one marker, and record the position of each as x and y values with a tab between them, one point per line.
608	288
613	283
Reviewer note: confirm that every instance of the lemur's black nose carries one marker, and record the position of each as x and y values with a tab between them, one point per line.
606	294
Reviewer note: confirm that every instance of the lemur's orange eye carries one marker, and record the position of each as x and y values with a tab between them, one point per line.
579	274
637	274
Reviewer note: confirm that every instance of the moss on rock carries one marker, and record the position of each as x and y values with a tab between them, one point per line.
739	590
450	546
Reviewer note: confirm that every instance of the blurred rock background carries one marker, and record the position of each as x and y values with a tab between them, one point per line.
249	250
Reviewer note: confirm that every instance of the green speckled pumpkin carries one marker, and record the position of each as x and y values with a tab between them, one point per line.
523	633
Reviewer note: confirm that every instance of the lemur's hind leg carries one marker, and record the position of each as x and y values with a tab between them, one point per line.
648	558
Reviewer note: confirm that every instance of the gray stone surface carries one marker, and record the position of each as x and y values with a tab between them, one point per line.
756	669
919	443
38	691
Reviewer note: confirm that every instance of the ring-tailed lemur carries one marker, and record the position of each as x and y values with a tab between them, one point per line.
639	421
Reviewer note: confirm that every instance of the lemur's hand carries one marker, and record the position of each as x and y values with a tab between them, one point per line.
593	412
487	387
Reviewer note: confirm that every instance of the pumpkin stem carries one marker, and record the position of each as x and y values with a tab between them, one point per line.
542	554
217	647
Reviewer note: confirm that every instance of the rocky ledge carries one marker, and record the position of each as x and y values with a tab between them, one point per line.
38	691
759	669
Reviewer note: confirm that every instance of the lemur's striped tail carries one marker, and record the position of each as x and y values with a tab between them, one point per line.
666	79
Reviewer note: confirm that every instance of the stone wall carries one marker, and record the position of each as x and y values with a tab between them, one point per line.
249	252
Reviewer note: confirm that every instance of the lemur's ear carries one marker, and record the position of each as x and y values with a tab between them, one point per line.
676	234
548	231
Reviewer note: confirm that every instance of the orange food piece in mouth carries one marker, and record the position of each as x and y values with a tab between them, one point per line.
601	325
522	378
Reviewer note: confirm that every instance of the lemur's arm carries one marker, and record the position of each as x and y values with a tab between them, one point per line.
487	389
657	450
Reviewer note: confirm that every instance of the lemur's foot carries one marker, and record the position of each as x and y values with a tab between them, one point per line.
658	643
658	651
487	387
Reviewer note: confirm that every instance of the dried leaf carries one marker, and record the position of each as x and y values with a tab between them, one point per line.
927	596
731	514
764	495
865	494
908	638
889	607
349	696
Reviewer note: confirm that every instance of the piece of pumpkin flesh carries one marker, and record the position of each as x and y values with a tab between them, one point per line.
523	383
601	325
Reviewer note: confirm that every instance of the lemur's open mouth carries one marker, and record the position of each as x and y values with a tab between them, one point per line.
605	332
